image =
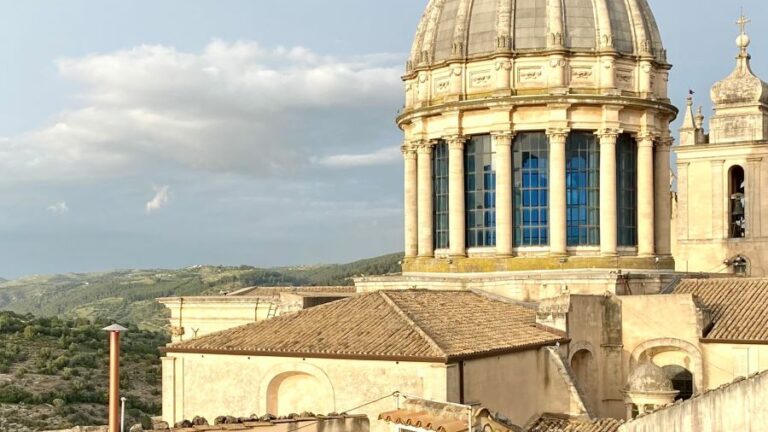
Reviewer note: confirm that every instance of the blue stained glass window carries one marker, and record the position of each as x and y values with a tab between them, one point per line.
582	177
530	162
440	194
480	180
626	190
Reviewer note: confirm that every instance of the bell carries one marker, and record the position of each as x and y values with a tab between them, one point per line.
738	204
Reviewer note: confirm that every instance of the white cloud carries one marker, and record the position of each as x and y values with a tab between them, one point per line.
59	209
383	156
234	107
160	200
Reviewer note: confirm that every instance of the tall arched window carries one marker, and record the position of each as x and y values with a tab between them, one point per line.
738	208
480	181
582	176
530	162
440	194
626	190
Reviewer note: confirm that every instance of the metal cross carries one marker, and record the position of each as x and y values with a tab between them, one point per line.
742	22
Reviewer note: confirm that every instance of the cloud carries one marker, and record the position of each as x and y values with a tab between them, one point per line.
59	209
231	108
160	200
383	156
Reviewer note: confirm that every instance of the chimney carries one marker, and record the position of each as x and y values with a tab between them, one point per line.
114	376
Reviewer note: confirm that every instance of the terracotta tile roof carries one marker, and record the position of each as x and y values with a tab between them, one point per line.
408	325
738	306
559	424
424	420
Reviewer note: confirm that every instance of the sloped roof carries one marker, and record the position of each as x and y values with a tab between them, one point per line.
550	423
415	325
738	306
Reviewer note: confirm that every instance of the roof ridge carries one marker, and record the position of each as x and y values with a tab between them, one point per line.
413	324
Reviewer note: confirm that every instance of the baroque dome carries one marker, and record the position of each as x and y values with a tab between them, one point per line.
467	29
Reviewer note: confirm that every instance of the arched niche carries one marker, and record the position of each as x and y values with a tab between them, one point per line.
294	388
584	366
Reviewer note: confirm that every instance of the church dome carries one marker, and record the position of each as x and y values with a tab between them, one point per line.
467	29
649	378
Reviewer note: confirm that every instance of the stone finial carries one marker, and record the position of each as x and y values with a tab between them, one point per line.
700	118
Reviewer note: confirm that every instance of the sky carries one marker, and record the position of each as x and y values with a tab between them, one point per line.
165	134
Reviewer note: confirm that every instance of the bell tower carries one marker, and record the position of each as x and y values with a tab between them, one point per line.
722	217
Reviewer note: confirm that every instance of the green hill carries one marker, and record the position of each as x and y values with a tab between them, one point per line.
54	373
128	296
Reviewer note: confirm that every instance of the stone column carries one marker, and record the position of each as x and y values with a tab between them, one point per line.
663	199
504	218
645	199
425	219
411	203
456	206
608	206
557	197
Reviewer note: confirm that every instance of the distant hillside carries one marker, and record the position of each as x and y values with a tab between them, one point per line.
128	296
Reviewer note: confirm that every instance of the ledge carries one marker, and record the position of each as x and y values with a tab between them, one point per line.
499	264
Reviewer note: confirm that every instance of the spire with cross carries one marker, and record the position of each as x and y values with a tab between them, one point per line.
742	22
743	39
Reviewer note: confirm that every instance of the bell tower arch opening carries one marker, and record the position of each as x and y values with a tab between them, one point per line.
737	211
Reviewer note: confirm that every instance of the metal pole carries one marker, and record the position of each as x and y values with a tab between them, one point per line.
122	415
114	376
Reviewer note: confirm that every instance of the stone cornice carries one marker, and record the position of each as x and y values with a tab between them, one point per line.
530	100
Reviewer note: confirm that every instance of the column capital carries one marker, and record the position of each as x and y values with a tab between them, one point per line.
425	147
665	143
503	137
608	134
558	134
408	152
646	139
455	142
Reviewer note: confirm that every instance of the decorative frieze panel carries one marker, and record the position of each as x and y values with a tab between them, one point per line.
625	79
442	86
480	79
582	75
530	76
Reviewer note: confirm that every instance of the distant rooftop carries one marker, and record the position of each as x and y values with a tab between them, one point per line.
259	291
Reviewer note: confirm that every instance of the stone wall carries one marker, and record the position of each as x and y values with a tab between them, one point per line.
735	407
